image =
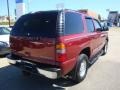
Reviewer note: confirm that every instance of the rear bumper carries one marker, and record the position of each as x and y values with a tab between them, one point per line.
52	73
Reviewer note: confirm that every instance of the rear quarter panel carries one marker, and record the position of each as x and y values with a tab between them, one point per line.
74	45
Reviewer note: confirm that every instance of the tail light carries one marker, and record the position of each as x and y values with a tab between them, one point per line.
60	47
60	52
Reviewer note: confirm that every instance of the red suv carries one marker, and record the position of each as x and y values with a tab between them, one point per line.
57	43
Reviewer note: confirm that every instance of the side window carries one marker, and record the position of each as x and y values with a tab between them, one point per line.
97	24
90	25
73	23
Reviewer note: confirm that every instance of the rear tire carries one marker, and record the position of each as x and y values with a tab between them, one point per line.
81	68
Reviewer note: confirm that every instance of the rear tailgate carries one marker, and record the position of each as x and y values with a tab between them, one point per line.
33	36
42	50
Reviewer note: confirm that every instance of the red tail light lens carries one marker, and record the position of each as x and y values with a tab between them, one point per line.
61	57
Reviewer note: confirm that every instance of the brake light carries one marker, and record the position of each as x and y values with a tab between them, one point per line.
60	52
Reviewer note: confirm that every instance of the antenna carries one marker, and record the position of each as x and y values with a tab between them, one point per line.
60	6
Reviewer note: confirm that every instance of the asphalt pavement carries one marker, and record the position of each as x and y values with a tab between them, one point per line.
104	74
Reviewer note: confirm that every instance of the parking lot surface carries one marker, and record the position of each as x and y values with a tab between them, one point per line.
103	75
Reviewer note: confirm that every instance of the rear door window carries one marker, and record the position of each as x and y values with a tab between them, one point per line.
73	23
90	25
41	24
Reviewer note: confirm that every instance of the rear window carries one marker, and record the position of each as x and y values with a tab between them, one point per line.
41	24
73	23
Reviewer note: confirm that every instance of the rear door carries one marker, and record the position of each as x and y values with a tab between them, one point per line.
92	35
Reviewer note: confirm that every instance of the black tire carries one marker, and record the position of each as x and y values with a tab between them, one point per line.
105	48
26	73
77	75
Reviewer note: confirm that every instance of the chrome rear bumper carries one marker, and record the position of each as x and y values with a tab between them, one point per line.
52	73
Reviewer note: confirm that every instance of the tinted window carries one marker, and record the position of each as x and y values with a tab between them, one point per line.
90	26
73	23
41	24
4	31
97	24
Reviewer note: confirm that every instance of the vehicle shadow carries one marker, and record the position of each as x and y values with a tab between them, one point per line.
11	78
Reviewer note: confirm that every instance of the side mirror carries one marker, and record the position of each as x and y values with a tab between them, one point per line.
99	29
105	28
102	29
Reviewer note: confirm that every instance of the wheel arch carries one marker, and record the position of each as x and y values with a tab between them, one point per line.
86	51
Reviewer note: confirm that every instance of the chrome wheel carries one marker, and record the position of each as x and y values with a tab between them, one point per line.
80	70
106	47
83	68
